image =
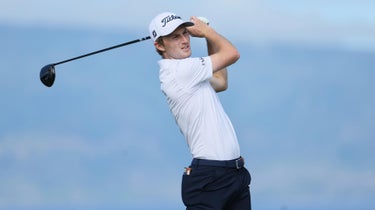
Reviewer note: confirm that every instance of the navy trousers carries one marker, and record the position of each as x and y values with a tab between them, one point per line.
216	188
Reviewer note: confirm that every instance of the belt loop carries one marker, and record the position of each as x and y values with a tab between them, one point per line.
240	162
195	162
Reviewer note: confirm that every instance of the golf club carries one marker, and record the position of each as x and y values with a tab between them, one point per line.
47	73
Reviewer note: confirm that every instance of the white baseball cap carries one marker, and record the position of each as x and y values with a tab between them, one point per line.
165	23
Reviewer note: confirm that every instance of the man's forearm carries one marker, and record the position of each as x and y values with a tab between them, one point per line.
219	80
223	52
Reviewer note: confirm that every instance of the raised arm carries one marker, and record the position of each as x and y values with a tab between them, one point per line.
223	53
219	80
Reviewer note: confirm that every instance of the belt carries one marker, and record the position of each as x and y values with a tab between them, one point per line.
236	163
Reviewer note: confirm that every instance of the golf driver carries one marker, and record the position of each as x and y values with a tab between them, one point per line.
47	73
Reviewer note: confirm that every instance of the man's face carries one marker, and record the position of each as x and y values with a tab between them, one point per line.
176	45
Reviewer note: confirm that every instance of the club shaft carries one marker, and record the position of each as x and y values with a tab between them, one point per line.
103	50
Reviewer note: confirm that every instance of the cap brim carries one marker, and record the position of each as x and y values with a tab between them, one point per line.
187	23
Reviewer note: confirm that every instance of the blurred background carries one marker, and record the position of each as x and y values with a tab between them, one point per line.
300	98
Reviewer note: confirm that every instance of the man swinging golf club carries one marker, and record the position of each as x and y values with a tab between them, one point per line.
216	178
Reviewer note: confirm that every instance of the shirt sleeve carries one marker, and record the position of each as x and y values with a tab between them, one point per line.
193	71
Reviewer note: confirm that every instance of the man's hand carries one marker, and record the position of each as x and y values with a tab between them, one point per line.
199	29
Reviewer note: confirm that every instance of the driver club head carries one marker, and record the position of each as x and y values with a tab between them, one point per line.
47	75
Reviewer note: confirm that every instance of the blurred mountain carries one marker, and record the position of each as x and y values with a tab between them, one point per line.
302	112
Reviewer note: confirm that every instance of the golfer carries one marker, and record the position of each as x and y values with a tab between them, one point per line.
216	178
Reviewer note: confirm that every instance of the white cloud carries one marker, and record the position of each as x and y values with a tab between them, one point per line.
253	21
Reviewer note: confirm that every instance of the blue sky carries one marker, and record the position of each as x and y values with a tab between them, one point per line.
301	100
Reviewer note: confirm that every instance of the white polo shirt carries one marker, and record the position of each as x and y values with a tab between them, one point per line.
197	109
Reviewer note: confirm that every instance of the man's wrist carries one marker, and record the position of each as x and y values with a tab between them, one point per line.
208	33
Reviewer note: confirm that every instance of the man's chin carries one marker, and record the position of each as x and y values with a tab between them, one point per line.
188	53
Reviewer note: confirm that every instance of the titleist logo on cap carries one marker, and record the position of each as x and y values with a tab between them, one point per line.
168	19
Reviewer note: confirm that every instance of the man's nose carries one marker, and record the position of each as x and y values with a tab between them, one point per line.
185	39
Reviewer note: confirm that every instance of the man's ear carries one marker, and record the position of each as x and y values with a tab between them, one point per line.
159	46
